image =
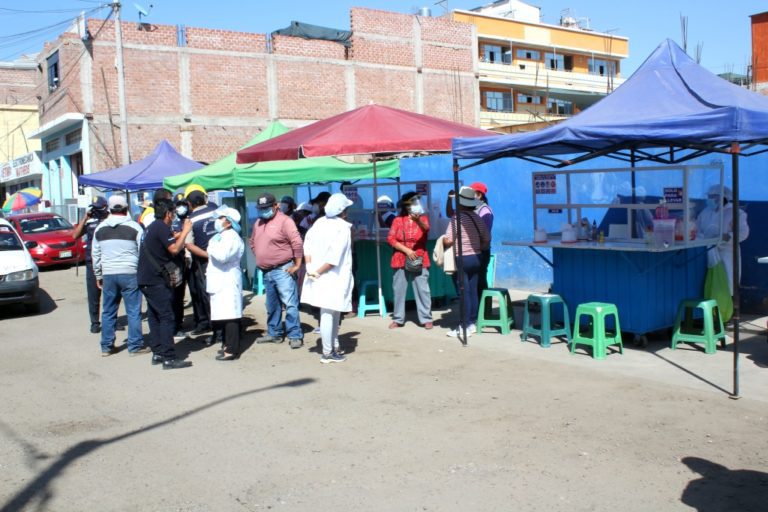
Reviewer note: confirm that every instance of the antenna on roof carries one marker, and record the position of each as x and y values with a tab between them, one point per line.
143	12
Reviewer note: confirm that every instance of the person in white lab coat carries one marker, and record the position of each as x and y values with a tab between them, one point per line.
708	226
224	280
328	283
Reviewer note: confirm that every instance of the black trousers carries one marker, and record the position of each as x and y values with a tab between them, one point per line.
201	304
482	278
93	292
231	332
160	319
178	306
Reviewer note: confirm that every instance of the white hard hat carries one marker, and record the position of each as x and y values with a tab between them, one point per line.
304	206
385	199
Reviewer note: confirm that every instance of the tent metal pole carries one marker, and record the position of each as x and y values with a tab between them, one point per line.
735	149
458	252
375	224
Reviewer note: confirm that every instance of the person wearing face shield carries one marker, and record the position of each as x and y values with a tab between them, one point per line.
410	260
225	281
386	211
708	226
95	214
279	252
329	281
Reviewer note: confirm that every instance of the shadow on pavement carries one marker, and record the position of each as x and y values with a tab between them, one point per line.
40	487
720	488
47	305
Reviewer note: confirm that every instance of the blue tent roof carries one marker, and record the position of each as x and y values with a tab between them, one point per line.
144	174
670	101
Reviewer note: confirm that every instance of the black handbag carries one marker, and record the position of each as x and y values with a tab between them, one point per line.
416	265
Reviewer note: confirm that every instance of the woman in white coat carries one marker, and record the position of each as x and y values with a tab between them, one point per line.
708	226
328	283
225	280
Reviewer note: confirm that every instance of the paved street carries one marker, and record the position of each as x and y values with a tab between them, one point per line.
411	421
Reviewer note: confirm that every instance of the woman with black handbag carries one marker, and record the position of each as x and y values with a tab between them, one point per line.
410	260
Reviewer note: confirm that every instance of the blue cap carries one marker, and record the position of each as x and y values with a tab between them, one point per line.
99	203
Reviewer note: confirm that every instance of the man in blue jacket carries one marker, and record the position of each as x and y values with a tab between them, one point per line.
116	243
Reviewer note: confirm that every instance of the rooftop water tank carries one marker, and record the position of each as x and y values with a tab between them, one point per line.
425	11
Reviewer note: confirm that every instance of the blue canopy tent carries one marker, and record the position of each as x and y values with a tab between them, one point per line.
147	173
669	111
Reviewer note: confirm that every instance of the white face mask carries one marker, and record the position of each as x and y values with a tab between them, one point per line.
218	225
284	207
416	208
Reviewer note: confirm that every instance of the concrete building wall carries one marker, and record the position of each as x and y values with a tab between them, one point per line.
760	52
208	91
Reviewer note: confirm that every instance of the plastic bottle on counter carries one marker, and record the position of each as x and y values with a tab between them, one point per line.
593	233
601	238
662	212
362	232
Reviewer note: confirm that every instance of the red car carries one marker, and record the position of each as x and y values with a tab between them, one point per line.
49	238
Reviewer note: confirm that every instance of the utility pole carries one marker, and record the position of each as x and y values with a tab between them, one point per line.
121	85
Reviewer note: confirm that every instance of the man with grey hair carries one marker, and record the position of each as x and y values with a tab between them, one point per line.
116	243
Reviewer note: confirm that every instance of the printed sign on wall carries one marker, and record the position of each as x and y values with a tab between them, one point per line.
545	184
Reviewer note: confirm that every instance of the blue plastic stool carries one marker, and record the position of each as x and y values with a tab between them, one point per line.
258	282
363	306
546	329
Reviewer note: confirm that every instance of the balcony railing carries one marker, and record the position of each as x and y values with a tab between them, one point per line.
489	119
522	73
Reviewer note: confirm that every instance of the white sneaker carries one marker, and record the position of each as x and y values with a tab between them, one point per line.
455	333
316	330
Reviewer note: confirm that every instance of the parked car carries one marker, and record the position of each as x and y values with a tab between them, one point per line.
18	273
49	238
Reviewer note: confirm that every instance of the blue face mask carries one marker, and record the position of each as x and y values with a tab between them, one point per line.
266	213
712	203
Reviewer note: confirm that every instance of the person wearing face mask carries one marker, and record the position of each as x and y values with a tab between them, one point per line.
318	210
410	260
329	280
486	214
97	212
202	219
225	281
708	226
287	205
279	252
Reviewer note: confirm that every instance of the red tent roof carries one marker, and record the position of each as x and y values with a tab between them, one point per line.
373	129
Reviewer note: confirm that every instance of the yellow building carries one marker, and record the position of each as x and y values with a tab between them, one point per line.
534	73
19	155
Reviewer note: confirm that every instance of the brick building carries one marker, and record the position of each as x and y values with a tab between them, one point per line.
208	91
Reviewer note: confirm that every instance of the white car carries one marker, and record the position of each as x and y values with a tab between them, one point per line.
18	273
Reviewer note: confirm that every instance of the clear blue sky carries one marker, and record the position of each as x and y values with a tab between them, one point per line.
722	27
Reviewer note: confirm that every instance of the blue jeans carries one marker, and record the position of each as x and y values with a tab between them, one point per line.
281	290
127	287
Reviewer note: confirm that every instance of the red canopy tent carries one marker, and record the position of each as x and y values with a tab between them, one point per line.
373	130
370	130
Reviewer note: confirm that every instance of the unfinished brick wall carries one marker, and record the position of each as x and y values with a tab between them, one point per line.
219	88
18	86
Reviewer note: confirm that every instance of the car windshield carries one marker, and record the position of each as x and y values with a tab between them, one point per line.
8	240
44	225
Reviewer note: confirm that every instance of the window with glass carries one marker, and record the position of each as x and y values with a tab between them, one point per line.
73	137
498	101
560	107
53	71
494	54
52	145
528	98
602	67
522	53
554	61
